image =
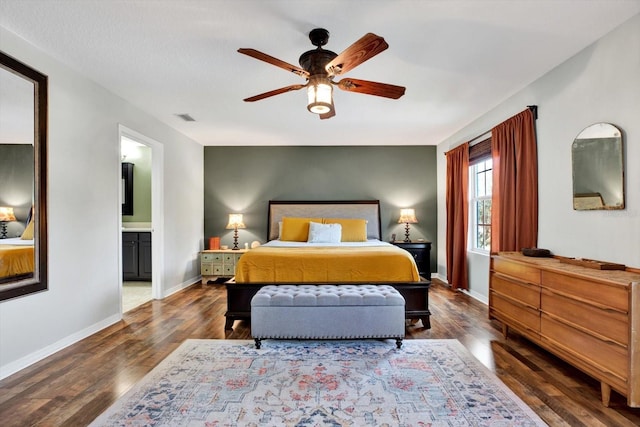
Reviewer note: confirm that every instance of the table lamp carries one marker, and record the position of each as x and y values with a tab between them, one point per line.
407	216
235	222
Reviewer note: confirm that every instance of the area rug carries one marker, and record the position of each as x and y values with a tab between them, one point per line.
217	383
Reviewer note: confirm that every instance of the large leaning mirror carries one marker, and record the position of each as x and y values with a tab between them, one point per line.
23	179
598	171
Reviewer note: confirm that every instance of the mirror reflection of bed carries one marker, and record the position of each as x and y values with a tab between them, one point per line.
17	255
16	260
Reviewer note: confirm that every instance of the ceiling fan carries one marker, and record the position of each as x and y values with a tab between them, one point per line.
320	66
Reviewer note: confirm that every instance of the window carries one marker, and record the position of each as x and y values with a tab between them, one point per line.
481	175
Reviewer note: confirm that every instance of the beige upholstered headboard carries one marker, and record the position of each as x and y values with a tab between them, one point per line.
361	209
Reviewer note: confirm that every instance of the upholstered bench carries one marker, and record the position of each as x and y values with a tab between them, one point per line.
327	312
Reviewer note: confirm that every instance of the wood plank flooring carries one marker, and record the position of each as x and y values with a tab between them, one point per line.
73	386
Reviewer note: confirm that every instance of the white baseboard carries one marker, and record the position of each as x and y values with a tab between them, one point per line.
439	277
483	299
181	286
30	359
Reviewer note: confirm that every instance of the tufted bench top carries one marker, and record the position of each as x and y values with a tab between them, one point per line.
327	295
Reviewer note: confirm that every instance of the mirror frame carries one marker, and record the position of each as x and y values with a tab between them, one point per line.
616	132
38	282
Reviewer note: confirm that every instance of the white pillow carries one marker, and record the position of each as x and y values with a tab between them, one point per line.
324	233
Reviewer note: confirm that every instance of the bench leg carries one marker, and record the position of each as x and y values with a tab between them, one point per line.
258	343
398	342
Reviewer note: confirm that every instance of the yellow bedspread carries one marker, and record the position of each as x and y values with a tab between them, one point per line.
15	260
368	264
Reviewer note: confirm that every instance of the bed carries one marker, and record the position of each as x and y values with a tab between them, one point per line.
16	259
286	260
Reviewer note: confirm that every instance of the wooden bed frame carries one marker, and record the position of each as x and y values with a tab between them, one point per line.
416	294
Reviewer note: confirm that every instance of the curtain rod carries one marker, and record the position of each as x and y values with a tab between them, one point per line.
534	110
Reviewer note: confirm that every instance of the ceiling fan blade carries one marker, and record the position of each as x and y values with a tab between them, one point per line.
371	88
274	61
365	48
274	92
328	115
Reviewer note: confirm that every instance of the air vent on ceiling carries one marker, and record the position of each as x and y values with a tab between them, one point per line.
186	117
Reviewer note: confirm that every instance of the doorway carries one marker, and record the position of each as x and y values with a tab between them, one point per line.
140	216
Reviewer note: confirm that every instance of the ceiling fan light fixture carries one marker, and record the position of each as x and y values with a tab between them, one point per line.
320	96
319	66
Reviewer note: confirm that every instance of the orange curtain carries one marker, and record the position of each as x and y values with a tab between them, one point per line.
457	216
514	201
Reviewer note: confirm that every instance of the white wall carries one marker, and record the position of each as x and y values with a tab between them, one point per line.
83	214
599	84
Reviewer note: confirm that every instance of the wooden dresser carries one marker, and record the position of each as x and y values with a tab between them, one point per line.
588	317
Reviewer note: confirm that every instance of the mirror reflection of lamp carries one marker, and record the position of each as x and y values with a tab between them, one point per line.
6	215
407	216
235	222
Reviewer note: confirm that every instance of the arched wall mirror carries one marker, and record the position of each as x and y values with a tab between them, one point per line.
23	179
598	171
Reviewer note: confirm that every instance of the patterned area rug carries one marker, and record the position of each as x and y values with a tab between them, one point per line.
320	383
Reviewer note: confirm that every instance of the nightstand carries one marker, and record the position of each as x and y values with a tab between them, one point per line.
421	252
217	263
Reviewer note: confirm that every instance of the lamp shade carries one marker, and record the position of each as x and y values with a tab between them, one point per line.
320	96
6	214
235	221
408	216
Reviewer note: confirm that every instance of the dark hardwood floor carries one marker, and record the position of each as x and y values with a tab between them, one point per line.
73	386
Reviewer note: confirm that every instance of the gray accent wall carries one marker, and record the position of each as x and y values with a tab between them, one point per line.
244	179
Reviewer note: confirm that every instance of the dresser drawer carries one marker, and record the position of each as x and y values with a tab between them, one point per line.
211	257
608	359
600	294
515	314
610	325
207	269
523	292
526	273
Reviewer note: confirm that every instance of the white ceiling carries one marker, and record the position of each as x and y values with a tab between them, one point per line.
457	59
